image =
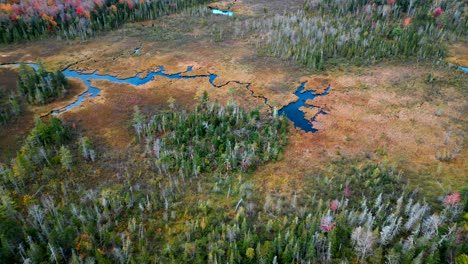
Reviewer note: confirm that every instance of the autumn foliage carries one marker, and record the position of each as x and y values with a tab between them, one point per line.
28	20
438	12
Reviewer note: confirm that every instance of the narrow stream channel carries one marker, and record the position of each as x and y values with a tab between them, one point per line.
221	12
137	50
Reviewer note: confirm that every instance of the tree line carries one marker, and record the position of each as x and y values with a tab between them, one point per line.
330	32
9	107
78	19
36	87
39	86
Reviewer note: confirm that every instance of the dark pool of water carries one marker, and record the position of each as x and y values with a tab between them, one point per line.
298	117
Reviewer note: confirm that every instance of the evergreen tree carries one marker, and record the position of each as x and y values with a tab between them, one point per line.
86	149
66	158
40	86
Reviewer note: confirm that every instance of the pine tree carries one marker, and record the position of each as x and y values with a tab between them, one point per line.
15	106
250	253
66	158
138	121
86	149
22	166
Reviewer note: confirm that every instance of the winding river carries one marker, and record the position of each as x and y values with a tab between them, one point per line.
291	111
136	80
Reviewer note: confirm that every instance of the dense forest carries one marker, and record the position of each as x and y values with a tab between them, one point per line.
9	107
70	19
329	32
50	214
36	87
212	138
39	86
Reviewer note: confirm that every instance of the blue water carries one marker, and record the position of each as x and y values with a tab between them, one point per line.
212	78
221	12
465	69
291	110
93	91
137	50
298	117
